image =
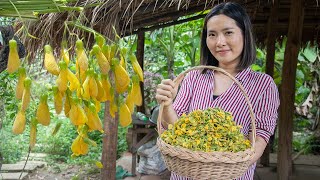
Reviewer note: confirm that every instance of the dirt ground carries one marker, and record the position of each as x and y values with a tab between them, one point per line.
78	173
65	173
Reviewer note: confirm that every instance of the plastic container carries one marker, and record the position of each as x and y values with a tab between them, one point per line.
142	116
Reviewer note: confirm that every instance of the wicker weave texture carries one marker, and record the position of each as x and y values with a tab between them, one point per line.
205	157
201	171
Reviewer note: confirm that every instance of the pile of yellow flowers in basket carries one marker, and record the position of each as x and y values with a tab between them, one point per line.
207	130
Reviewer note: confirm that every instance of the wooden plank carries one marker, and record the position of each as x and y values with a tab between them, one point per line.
18	167
12	176
39	164
271	40
287	90
144	140
34	157
37	155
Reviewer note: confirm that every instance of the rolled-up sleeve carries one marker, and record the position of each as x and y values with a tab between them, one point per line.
266	112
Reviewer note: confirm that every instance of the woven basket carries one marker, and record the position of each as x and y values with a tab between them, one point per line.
207	165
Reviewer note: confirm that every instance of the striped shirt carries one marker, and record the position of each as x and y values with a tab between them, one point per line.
196	92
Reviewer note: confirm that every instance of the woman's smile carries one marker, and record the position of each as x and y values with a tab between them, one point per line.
223	52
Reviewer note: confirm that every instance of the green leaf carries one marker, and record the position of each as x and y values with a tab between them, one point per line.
185	38
178	63
301	57
300	74
310	54
277	80
260	54
301	94
256	67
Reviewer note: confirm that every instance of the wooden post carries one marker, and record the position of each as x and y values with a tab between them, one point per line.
271	37
110	139
135	137
140	58
109	147
271	40
287	89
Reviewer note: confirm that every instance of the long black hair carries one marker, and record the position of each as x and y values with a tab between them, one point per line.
236	12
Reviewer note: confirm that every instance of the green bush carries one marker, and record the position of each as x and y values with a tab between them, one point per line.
58	145
12	147
122	145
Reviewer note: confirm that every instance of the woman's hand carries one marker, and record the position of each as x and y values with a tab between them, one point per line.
166	92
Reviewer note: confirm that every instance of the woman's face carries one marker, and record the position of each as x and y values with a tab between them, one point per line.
224	40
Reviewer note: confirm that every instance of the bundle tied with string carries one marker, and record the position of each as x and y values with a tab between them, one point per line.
207	165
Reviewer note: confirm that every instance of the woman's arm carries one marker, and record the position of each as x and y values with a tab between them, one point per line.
167	91
266	117
169	116
259	148
165	94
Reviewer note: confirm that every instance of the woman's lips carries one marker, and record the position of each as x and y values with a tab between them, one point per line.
223	52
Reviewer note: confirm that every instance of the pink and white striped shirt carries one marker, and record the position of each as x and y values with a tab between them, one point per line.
196	92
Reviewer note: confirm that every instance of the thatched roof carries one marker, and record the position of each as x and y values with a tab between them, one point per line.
128	16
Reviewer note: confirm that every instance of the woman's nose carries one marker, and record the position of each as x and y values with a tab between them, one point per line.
221	40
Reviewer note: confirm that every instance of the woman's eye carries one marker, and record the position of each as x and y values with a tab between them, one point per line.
211	35
229	32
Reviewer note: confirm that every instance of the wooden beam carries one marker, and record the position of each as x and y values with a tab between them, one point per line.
150	16
287	89
271	41
173	22
140	58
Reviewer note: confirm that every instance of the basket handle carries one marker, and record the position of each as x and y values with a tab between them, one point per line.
179	79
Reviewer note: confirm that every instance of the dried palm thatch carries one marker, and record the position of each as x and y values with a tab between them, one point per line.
128	16
102	15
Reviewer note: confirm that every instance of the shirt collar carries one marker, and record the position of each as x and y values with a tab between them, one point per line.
242	75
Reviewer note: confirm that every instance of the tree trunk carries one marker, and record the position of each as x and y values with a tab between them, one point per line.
287	90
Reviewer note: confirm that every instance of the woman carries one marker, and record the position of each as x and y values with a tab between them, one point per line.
227	42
